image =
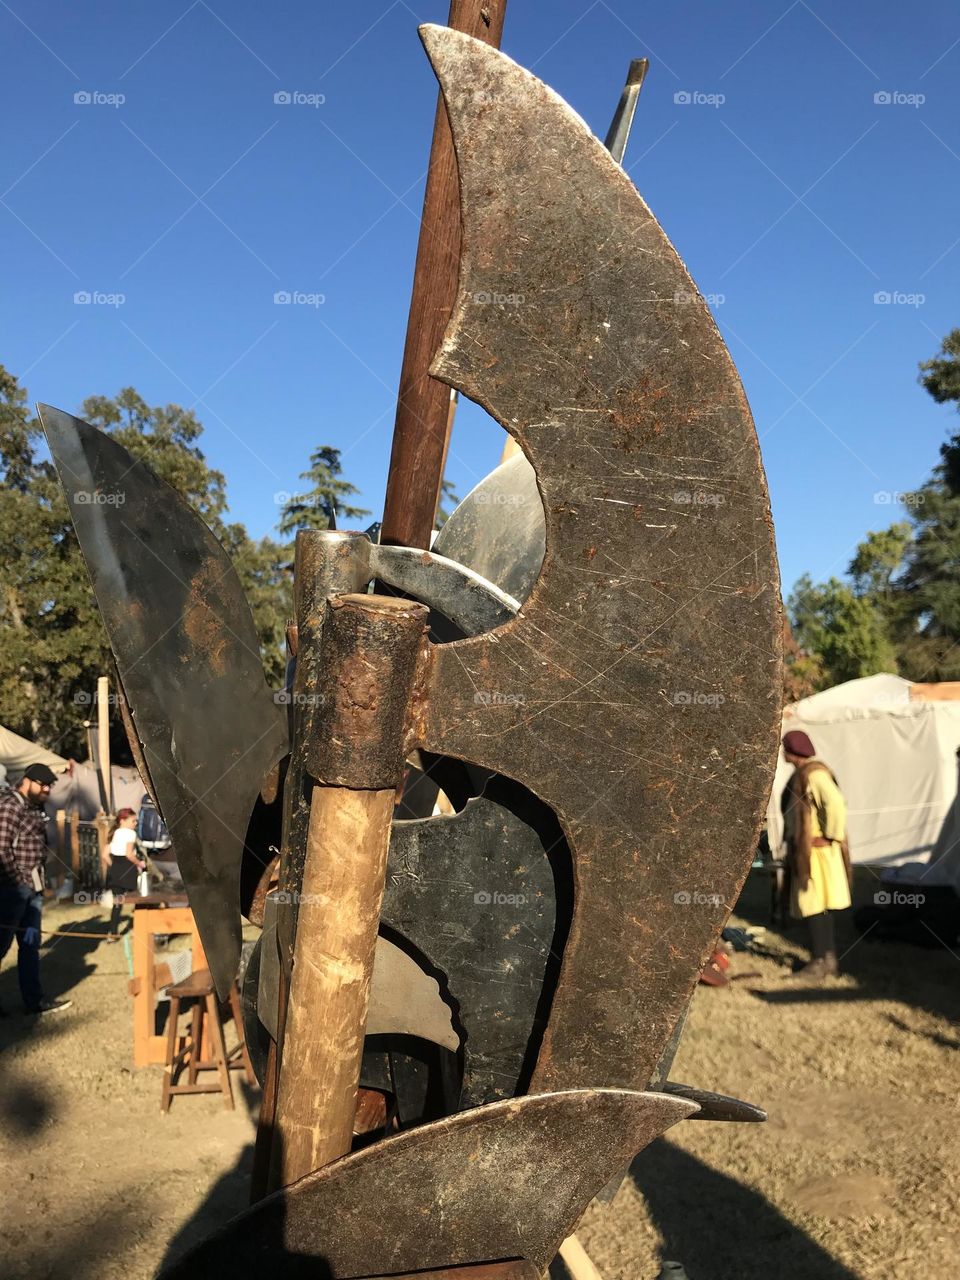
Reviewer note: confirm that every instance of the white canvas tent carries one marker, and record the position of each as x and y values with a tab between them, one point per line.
76	788
893	747
17	754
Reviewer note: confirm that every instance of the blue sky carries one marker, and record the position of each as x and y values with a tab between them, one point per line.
793	195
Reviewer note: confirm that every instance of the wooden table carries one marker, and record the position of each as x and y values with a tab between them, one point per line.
155	914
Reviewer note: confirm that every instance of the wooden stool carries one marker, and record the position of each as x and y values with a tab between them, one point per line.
205	1023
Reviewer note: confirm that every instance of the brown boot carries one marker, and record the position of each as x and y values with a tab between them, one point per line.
819	970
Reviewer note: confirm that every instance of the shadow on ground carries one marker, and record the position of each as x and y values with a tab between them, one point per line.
922	977
63	962
716	1227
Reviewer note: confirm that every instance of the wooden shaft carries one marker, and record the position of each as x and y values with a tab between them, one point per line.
423	404
339	912
371	646
326	563
61	820
103	741
75	846
576	1261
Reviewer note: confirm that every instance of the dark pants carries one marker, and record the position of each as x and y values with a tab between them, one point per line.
822	937
20	909
123	882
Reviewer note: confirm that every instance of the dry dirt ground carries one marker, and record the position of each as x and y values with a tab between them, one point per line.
856	1174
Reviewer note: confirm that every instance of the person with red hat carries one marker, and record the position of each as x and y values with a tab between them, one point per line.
818	858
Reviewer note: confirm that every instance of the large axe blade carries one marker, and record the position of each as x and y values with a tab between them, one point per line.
189	662
638	690
510	1180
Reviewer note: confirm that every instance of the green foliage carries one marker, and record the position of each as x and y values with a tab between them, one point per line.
901	609
52	644
324	503
930	636
941	375
877	559
845	630
802	671
448	494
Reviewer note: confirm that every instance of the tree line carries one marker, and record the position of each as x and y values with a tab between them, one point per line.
897	608
52	643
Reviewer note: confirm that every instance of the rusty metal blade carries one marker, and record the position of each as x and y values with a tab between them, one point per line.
189	660
638	690
509	1180
716	1106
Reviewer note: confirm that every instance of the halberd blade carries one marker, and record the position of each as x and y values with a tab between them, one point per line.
638	690
510	1180
188	658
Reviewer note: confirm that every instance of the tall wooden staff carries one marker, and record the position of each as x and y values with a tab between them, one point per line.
423	405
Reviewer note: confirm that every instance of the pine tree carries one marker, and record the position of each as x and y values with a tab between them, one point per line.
324	504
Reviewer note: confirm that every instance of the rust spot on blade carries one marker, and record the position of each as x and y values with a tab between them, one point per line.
201	624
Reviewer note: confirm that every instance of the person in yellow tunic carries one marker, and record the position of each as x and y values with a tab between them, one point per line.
815	829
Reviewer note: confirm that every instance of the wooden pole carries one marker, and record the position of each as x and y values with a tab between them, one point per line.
61	820
370	647
75	847
576	1261
327	563
103	742
327	1010
423	404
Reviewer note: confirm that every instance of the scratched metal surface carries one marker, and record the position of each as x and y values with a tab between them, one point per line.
637	692
188	657
475	894
498	530
509	1180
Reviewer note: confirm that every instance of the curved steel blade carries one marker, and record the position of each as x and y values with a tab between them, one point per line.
475	894
498	529
637	692
715	1106
510	1180
188	657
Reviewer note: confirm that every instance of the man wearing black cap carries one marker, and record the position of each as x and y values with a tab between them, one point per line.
23	849
815	828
